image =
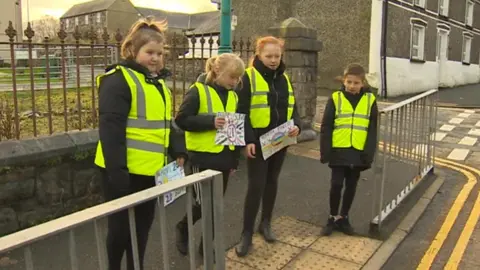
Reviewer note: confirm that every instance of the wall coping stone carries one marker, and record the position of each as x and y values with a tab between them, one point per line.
22	152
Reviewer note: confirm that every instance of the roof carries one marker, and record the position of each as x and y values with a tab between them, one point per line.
88	7
209	26
178	20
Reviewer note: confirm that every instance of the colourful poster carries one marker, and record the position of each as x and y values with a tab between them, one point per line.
276	139
233	132
171	172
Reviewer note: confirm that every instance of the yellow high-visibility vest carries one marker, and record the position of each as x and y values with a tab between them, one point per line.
259	107
351	127
148	125
210	104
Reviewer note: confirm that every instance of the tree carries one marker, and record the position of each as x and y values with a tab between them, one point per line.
47	26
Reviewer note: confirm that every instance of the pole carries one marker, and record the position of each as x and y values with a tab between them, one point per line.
225	27
383	50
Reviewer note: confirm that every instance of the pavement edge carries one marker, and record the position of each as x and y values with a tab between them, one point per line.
387	248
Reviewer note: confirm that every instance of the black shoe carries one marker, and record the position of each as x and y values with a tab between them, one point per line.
328	229
182	238
265	229
243	247
344	226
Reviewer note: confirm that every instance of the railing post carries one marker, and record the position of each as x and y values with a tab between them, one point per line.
207	230
218	222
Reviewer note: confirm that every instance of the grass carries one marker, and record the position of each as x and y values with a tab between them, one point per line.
62	106
23	75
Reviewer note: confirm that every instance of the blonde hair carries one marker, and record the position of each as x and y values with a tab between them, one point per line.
142	32
226	62
262	42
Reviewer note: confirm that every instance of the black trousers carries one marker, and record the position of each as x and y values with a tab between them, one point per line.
197	207
340	175
118	236
262	187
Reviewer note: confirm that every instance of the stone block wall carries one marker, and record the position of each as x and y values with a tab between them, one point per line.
45	178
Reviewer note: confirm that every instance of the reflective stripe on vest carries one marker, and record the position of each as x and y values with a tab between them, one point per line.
351	127
209	104
148	125
259	107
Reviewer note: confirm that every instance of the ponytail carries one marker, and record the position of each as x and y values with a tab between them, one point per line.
209	69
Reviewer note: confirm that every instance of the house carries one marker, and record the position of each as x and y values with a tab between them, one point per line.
430	43
121	14
6	15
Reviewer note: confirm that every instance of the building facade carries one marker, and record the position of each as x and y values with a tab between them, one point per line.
430	43
121	14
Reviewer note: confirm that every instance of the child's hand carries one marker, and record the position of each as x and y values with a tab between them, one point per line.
219	122
293	132
250	150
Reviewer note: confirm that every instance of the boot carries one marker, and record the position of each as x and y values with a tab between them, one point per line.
265	229
181	235
329	227
344	225
245	242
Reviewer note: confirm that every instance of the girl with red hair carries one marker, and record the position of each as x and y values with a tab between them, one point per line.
268	101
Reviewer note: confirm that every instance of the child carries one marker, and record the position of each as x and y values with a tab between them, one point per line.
135	114
267	98
348	140
197	116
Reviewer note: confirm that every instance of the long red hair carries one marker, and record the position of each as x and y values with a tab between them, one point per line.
262	42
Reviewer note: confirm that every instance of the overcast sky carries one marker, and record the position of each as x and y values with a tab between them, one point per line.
56	8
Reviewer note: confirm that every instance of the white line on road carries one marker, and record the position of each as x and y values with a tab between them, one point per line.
438	136
468	141
447	127
456	120
458	154
469	111
463	115
474	131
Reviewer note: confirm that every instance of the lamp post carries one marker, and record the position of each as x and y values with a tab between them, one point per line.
225	26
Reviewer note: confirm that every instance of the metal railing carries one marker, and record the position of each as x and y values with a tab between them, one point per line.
211	192
406	132
49	87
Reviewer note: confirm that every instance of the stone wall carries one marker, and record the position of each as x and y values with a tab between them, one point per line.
45	178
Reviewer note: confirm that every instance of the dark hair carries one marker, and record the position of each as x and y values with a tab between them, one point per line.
356	70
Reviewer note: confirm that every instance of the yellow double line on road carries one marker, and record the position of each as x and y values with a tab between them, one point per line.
462	242
452	216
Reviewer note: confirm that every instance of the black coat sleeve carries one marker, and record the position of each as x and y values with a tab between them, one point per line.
371	144
188	118
326	131
114	106
177	147
297	121
244	99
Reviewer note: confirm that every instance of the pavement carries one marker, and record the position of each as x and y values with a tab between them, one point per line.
439	217
466	96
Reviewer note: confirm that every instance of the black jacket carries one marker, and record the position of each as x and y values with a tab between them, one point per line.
114	105
188	120
350	157
277	100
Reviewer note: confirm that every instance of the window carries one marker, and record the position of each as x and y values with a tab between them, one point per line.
467	46
443	7
417	41
99	17
76	20
86	19
469	13
419	3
